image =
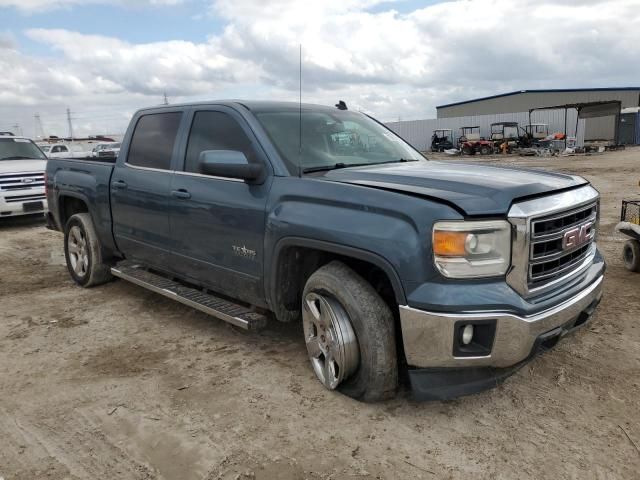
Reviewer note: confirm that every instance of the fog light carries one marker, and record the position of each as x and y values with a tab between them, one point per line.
467	334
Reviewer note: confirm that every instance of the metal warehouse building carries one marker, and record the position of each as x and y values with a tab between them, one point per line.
515	107
524	100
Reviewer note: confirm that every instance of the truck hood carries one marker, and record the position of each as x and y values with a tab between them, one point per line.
475	189
22	166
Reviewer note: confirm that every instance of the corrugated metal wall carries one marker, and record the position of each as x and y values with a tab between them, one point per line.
418	132
522	102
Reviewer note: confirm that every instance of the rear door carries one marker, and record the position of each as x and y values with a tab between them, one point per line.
140	187
218	223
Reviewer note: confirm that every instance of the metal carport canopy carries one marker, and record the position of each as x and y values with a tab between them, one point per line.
587	110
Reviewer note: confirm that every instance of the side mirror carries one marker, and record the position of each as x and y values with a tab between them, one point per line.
230	164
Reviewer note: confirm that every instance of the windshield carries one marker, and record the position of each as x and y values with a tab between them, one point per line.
19	149
333	140
45	148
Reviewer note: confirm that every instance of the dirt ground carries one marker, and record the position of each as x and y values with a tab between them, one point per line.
117	382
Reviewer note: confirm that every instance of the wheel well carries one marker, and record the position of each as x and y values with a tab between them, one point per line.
70	206
296	264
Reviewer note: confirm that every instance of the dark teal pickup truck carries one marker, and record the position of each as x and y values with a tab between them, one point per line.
450	275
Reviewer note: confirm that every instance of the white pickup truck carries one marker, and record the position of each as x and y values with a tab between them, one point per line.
22	166
65	151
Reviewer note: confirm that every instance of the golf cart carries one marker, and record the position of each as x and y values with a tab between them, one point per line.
470	142
630	226
505	136
535	135
537	131
442	140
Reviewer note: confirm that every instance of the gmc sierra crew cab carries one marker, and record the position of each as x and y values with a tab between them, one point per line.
447	274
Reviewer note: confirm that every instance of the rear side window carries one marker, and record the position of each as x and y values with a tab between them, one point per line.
153	140
215	131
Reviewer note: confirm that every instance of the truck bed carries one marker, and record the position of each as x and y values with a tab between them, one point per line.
87	181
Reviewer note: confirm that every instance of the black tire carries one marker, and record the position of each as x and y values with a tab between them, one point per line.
376	377
467	150
631	255
485	150
95	271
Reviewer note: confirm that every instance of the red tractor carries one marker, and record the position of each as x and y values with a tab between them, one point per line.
470	142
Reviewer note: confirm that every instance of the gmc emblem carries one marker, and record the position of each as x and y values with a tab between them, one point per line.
577	236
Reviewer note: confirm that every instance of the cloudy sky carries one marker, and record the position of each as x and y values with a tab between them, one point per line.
103	59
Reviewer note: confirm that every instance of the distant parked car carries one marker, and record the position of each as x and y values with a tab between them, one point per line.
110	152
102	146
22	166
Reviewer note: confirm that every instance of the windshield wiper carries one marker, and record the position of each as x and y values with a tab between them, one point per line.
17	158
400	160
336	166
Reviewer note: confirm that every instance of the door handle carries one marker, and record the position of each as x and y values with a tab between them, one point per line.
119	184
181	194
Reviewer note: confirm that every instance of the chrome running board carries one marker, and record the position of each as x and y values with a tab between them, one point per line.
230	312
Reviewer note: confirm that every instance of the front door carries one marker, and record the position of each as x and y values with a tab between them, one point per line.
140	190
218	223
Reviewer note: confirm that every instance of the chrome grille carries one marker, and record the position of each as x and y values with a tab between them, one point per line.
553	239
21	181
24	198
551	254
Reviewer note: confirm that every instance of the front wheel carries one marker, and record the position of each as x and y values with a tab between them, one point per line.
631	255
349	333
82	252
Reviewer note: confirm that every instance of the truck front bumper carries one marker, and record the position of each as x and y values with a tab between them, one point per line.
34	203
439	366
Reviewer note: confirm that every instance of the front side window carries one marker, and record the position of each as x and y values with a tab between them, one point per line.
19	149
215	131
332	139
153	140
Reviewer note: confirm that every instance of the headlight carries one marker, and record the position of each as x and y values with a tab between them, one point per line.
472	249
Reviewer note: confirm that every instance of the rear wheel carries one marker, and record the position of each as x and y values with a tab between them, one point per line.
82	252
631	255
349	333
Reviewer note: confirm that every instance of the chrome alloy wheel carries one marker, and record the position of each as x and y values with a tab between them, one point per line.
331	342
78	251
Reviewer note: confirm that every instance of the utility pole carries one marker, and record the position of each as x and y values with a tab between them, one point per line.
70	125
38	131
17	128
166	100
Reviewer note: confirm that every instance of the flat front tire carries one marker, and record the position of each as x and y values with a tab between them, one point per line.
349	334
82	252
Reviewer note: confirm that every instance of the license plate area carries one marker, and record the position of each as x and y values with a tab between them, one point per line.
32	206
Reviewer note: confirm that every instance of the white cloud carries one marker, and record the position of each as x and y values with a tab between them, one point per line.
390	64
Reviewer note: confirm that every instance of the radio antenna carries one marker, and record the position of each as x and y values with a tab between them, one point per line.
300	117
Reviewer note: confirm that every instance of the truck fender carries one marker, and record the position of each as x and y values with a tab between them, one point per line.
329	247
